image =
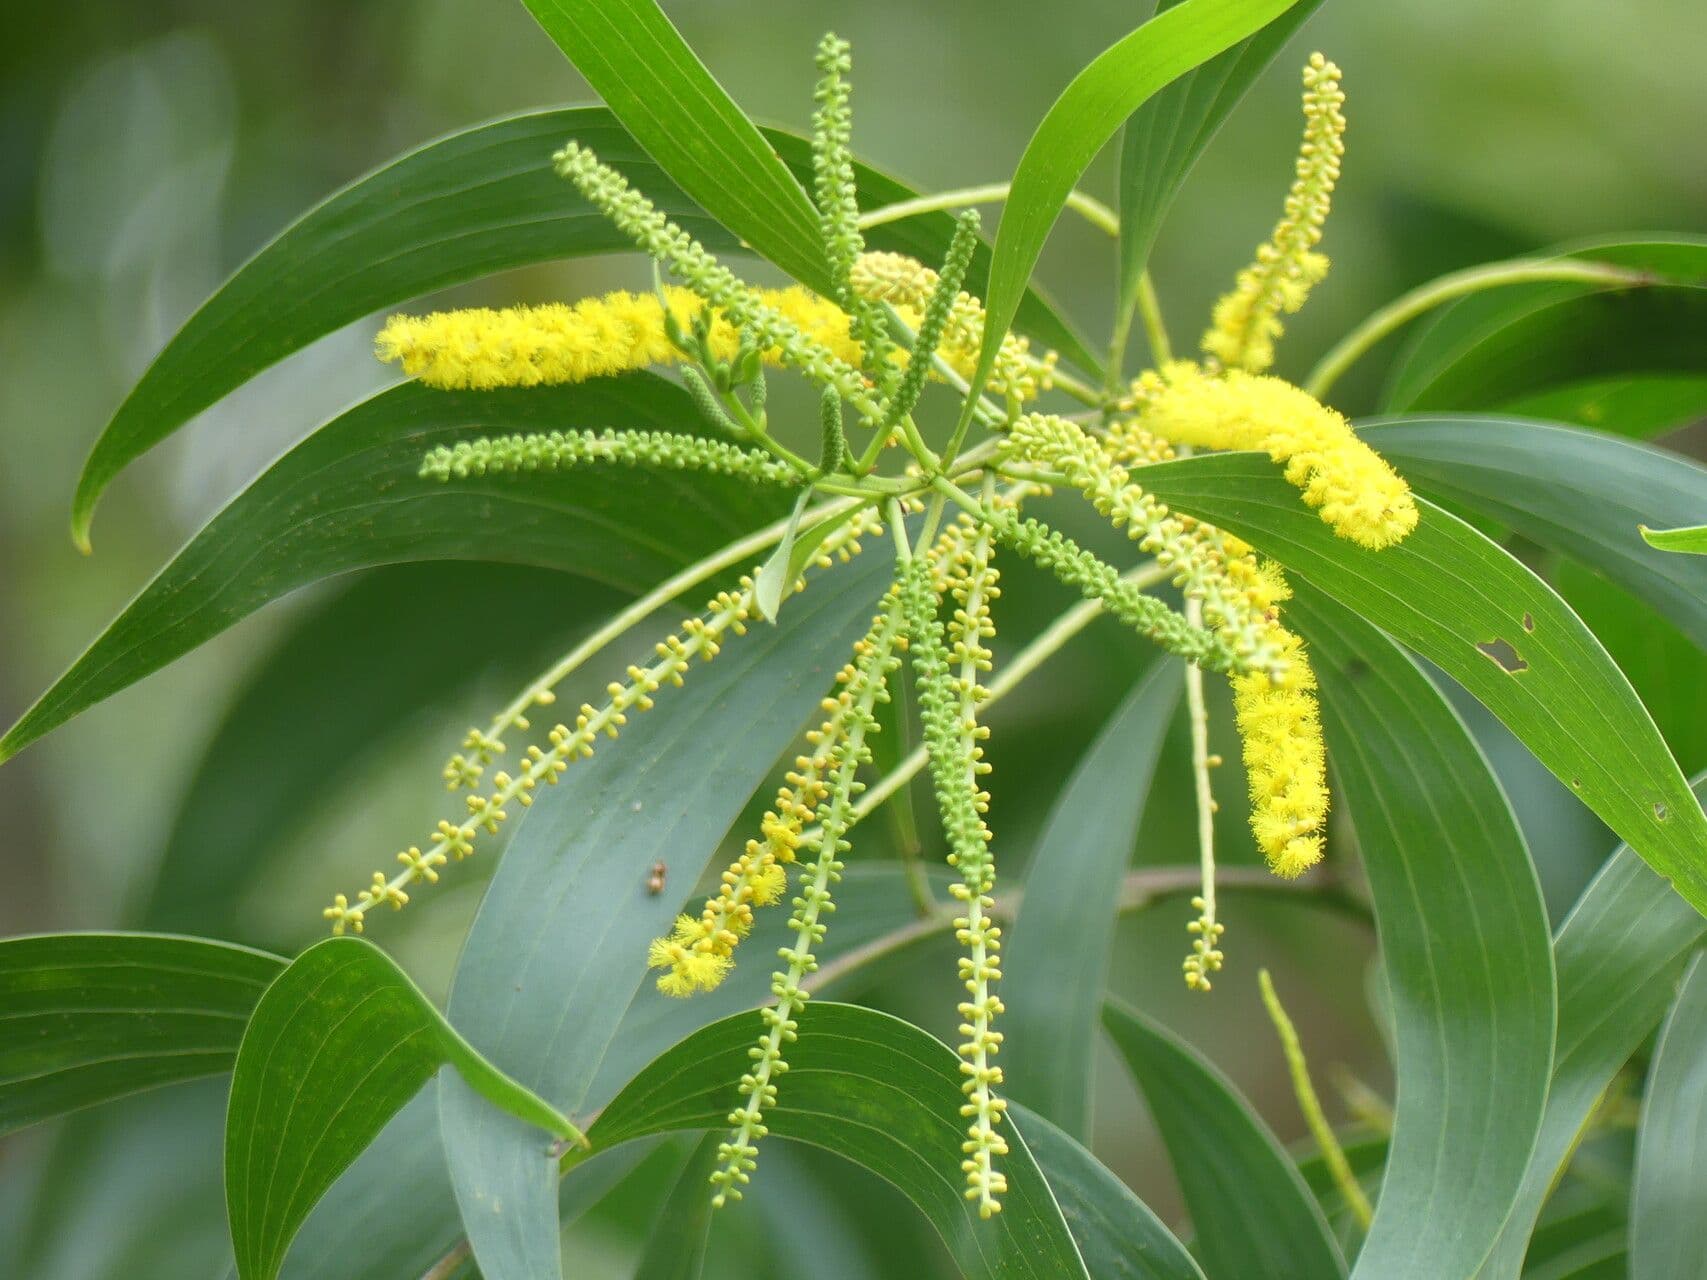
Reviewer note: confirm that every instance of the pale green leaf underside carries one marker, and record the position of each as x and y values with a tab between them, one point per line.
1671	1148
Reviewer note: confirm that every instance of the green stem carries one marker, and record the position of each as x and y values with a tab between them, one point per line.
1332	1153
1089	208
1458	284
1150	309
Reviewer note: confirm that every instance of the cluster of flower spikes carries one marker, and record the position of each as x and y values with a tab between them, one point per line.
863	684
698	638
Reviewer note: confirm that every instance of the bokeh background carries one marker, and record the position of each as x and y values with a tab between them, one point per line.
147	149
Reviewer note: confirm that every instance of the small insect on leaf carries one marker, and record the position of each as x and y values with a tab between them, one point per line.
655	881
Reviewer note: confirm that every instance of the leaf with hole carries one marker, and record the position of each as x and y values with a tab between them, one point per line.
1444	591
1464	944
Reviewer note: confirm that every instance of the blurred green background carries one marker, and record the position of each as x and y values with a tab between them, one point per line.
147	149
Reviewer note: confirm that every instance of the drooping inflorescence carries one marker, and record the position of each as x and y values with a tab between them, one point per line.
1247	320
864	683
890	327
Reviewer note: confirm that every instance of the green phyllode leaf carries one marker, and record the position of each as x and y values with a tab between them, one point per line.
339	1042
1095	104
1164	138
1580	493
1464	943
351	496
1488	622
475	202
1507	346
1057	949
1255	1218
91	1017
876	1091
1671	1148
1117	1234
1618	956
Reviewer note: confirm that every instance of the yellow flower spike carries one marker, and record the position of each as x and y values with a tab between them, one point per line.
1247	320
1353	487
557	343
1285	761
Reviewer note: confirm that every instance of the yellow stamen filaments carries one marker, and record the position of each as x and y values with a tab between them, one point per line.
1201	568
1353	487
968	575
908	285
1285	760
699	638
1247	320
865	683
595	338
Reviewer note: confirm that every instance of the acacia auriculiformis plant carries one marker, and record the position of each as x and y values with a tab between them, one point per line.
891	327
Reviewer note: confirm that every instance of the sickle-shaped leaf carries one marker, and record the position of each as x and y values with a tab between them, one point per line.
339	1042
557	953
1117	1234
263	773
879	1092
351	496
1165	136
1671	1149
1492	348
1581	493
464	206
1059	945
643	69
1255	1218
1464	942
1618	956
1492	625
90	1017
1096	103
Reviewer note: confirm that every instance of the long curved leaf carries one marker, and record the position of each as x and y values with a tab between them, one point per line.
1502	345
1464	944
557	953
475	202
1165	136
1671	1149
1446	590
879	1092
1618	956
1255	1218
339	1042
351	497
1117	1234
643	69
1582	493
1058	947
1096	103
90	1017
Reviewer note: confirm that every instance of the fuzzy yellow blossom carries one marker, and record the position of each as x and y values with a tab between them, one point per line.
1280	729
1353	487
594	338
907	285
1247	320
